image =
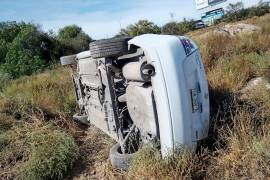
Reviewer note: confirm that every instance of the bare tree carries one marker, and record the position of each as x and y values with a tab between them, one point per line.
234	8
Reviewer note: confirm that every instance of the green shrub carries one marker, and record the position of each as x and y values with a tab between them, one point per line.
25	49
28	53
36	151
9	30
179	28
73	39
172	28
139	28
50	155
3	50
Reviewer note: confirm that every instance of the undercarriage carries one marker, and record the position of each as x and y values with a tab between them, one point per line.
126	88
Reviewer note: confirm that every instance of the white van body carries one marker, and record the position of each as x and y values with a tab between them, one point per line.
157	89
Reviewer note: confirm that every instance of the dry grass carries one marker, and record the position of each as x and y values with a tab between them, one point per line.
36	135
213	46
48	96
232	72
149	165
240	158
257	42
52	91
36	151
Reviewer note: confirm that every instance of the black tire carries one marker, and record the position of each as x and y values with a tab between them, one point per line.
118	160
113	47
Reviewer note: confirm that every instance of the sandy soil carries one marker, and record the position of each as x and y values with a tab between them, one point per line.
94	157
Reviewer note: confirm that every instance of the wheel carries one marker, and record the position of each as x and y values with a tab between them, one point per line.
67	60
80	119
109	47
118	160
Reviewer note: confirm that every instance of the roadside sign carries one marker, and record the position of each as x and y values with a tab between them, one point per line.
213	2
200	4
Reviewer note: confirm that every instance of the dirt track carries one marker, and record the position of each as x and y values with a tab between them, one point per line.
94	151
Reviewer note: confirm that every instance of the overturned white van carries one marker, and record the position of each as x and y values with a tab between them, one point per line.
150	88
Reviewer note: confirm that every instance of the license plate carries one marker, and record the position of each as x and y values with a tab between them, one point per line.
194	100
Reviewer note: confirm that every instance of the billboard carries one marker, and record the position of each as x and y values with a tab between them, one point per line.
213	2
200	4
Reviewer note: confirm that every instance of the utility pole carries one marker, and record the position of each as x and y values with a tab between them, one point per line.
172	16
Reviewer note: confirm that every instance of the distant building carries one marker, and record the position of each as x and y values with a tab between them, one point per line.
210	17
209	13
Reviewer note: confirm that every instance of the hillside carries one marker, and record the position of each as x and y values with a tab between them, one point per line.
39	140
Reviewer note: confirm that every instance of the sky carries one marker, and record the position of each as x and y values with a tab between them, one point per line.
99	18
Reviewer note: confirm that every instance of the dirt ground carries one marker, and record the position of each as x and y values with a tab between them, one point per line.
94	156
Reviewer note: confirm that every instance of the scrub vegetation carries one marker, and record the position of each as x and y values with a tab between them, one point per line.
25	49
38	139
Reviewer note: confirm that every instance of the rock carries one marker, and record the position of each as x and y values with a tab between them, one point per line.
231	30
234	29
255	82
